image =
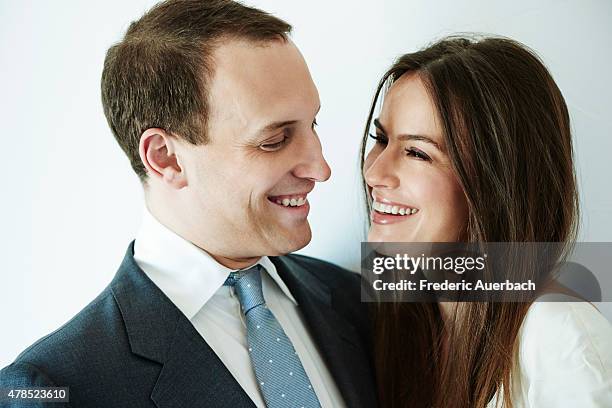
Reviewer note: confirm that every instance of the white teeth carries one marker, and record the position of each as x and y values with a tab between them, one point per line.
392	209
291	202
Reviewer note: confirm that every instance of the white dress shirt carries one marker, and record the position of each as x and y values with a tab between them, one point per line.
193	281
564	358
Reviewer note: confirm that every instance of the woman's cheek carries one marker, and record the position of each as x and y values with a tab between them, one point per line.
443	206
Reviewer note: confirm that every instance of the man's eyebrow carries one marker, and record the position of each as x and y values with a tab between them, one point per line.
268	129
280	124
276	125
403	137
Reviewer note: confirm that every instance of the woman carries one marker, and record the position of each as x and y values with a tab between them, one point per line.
473	144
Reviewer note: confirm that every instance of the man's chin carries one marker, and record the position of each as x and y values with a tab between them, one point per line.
293	239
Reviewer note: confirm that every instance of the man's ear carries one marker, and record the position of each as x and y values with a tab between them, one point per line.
157	151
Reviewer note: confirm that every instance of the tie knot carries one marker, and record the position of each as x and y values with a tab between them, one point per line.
247	285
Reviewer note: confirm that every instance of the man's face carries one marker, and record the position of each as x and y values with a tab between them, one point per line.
247	188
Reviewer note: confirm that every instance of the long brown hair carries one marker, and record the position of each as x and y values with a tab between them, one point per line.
507	132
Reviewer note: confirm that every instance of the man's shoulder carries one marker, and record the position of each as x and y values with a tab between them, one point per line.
345	289
87	341
331	275
92	322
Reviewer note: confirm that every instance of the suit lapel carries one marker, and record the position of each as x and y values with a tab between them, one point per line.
342	348
192	375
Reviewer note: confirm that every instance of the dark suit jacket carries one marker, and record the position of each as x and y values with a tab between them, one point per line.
131	347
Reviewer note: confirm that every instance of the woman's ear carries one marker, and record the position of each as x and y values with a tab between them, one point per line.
157	151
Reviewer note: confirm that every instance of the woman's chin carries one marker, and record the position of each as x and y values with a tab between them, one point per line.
373	238
376	235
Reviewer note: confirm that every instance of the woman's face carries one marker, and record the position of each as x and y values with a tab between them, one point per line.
416	195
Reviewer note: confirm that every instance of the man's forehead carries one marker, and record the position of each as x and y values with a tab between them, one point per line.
256	84
261	67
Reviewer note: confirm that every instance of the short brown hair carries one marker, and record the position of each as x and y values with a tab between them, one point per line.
158	74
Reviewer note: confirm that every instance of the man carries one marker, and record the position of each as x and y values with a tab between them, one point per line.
215	108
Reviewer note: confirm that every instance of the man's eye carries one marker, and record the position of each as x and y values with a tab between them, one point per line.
380	139
417	154
270	147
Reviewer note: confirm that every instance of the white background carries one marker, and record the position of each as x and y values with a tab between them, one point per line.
70	203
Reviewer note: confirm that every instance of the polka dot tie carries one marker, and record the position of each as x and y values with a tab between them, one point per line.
278	369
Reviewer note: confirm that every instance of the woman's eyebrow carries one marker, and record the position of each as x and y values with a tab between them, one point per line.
421	138
403	137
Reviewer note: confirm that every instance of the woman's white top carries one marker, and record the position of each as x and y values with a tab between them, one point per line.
564	358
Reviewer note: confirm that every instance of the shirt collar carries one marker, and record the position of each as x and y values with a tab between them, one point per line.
271	269
188	275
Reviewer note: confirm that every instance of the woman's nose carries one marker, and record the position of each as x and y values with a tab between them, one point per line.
380	171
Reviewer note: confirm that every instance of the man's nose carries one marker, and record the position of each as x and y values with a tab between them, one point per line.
313	165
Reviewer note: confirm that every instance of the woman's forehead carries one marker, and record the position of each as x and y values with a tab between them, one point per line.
409	109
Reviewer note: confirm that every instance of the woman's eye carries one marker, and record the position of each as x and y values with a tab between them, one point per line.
379	138
416	153
314	123
270	147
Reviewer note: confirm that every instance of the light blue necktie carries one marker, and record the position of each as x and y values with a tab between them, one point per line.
281	377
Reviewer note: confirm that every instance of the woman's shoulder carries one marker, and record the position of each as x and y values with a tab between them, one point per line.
562	331
552	322
565	355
